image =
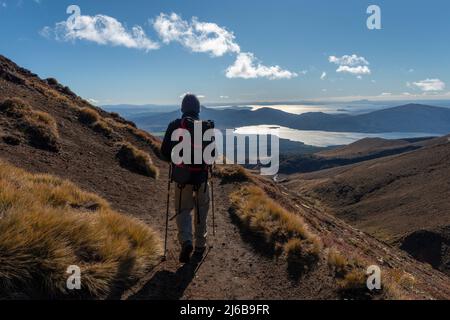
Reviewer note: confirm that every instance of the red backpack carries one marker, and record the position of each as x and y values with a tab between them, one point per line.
193	174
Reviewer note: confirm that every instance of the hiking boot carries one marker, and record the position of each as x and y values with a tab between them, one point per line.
185	254
199	252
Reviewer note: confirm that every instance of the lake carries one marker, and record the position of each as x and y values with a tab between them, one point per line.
325	138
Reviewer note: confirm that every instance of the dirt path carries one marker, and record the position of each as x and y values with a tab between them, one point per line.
233	268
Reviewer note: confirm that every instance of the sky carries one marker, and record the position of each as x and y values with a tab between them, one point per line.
153	52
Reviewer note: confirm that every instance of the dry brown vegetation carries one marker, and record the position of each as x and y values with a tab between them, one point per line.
231	173
136	160
144	136
40	127
48	224
285	231
92	118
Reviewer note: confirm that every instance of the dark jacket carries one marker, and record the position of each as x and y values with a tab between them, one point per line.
167	144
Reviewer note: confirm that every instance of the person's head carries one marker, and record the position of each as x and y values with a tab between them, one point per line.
190	105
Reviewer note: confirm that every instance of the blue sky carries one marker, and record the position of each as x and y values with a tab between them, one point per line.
142	52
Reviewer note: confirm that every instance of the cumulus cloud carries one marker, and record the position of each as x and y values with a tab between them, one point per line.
347	60
247	66
208	37
428	85
100	29
197	36
352	64
323	76
359	70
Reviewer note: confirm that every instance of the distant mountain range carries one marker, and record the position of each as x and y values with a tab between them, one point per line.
405	118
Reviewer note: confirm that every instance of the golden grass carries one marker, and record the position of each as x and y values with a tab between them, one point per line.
102	127
144	136
230	173
136	160
40	127
354	279
92	118
261	215
396	283
350	272
48	224
337	261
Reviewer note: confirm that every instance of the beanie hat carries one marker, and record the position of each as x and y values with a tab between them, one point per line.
190	104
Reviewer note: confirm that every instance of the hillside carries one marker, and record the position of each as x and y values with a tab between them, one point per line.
359	151
270	242
401	199
406	118
373	147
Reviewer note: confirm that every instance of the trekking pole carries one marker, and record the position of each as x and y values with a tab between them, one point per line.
212	202
167	211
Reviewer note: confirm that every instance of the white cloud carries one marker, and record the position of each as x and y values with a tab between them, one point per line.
224	97
347	60
428	85
197	36
359	70
100	29
207	37
247	66
385	94
323	76
352	64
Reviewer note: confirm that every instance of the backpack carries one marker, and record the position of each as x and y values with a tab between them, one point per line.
193	174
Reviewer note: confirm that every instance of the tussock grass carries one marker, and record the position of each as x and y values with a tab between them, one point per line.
88	116
48	224
92	118
337	261
145	137
354	280
396	283
350	275
40	127
231	173
284	230
136	160
103	128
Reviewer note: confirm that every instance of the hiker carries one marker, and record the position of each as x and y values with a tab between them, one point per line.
191	185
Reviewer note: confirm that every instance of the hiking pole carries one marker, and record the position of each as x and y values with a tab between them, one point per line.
212	203
167	211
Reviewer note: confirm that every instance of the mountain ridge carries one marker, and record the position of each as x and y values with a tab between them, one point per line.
406	118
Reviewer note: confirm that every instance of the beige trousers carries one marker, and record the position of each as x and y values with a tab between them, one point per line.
191	201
